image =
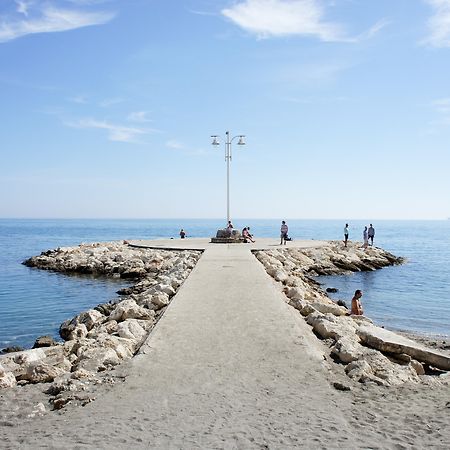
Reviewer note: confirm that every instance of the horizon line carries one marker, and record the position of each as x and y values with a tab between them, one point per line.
222	219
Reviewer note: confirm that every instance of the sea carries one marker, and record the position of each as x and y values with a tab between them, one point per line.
414	297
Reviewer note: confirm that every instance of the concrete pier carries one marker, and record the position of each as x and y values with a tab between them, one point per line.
229	365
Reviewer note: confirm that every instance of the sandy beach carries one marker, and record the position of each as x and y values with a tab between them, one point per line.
235	367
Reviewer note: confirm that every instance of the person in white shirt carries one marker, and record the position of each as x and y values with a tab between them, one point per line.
346	234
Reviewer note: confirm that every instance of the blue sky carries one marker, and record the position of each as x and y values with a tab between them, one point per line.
107	108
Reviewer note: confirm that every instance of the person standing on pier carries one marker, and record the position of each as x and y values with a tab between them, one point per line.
365	238
346	234
371	233
284	232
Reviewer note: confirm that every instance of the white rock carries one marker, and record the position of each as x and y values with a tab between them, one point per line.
331	326
97	359
347	349
38	410
129	309
330	308
7	379
160	300
38	372
131	329
280	275
90	318
80	331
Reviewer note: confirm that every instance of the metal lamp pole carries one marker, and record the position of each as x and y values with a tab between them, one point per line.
228	158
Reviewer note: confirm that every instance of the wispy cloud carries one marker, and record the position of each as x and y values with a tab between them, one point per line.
442	105
116	132
139	117
311	74
107	102
268	18
32	18
275	18
202	13
439	24
374	29
441	120
22	6
80	99
174	144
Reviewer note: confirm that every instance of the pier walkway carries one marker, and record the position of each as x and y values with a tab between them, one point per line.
230	365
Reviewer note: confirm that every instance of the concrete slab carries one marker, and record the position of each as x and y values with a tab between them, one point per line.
387	341
205	243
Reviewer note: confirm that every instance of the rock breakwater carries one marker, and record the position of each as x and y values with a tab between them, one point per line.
349	337
100	338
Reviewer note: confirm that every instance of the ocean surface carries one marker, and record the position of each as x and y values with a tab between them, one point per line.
413	297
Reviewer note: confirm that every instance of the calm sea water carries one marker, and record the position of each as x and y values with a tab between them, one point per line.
413	297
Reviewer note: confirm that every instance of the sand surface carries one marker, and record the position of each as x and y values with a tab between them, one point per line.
234	367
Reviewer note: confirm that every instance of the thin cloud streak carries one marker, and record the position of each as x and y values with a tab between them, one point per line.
116	133
139	117
173	144
439	24
49	19
442	105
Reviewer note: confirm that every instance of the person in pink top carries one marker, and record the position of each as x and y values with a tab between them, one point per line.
246	235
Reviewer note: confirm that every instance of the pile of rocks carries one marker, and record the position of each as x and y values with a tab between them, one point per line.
100	338
349	337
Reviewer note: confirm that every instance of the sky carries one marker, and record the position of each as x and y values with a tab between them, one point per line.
107	108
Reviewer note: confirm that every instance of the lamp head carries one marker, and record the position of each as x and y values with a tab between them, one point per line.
241	140
215	140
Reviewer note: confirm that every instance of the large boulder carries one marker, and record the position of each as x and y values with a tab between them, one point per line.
44	341
329	307
131	329
129	309
330	326
347	349
160	300
97	360
374	366
39	372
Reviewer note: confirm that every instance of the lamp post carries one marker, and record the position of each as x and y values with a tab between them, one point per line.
215	141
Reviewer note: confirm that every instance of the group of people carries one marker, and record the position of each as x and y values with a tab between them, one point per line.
246	235
368	235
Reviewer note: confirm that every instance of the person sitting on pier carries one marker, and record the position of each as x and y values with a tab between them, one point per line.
246	235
